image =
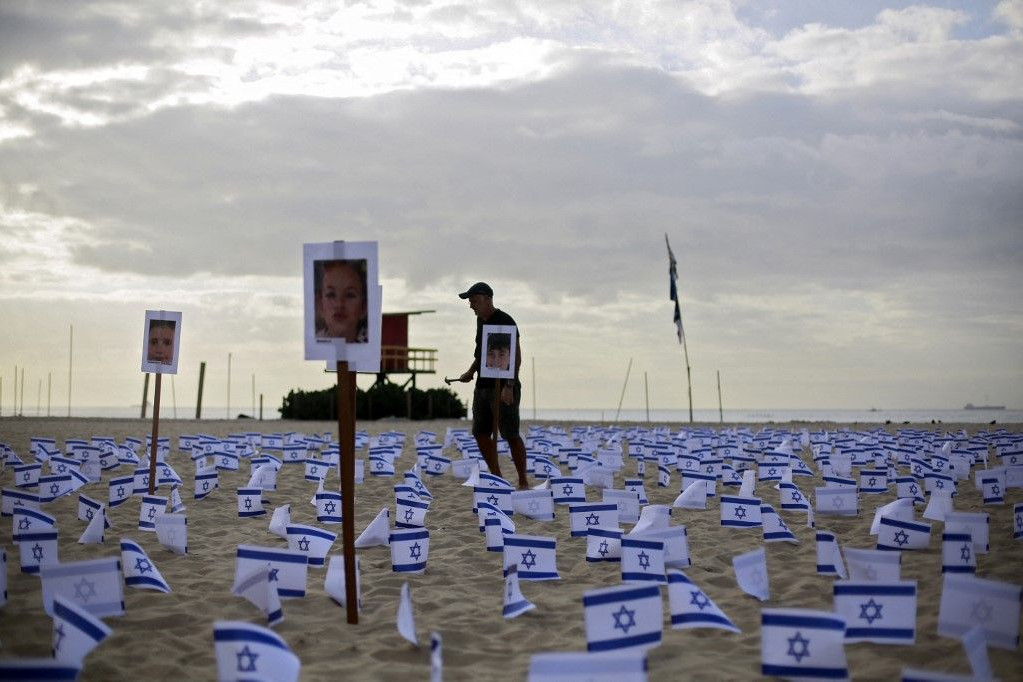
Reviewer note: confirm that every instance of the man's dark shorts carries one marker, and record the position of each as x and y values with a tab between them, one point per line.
483	414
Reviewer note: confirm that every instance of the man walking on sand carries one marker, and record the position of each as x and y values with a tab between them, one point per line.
481	300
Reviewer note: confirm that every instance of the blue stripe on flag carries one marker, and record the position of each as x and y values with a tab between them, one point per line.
889	633
619	596
785	620
683	618
245	635
622	642
772	670
887	590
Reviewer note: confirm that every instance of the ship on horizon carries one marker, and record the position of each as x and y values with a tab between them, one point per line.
971	406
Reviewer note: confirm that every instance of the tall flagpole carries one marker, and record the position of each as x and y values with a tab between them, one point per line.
673	276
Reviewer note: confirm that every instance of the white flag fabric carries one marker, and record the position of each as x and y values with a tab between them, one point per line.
975	646
775	529
27	522
288	568
604	544
939	504
152	506
37	669
405	621
974	523
792	498
642	559
172	532
261	593
691	607
676	545
76	632
206	481
627	502
957	555
896	534
740	512
410	548
249	652
593	514
901	509
139	571
693	497
623	618
749	482
652	517
436	658
840	501
377	532
879	612
334	582
37	550
1017	521
410	513
535	504
93	584
751	573
328	507
829	555
311	541
176	505
586	667
802	643
968	601
535	556
280	520
873	564
514	603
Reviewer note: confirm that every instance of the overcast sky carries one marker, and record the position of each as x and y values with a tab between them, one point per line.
842	184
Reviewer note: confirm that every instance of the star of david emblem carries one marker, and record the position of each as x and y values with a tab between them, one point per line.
54	488
592	519
533	506
152	513
166	472
796	497
26	477
303	544
379	465
415	551
248	503
913	489
272	577
58	637
37	552
84	589
996	490
408	515
901	538
528	559
799	647
699	599
871	611
838	502
329	507
88	514
312	470
624	619
566	490
246	660
939	484
603	549
205	485
547	468
710	468
61	468
771	471
24	523
644	560
142	565
872	481
740	512
492	499
223	461
981	611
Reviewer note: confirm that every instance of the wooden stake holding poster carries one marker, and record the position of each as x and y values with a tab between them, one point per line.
342	326
160	342
498	355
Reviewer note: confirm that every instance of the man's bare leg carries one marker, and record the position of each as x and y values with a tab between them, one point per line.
488	448
518	453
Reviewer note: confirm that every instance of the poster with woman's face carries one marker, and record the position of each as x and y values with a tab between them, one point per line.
497	354
342	304
160	341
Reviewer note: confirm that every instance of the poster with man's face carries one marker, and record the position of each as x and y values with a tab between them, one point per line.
160	341
342	304
497	354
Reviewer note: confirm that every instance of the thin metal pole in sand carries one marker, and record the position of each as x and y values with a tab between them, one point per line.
49	386
198	398
646	396
533	360
156	433
22	411
622	397
346	441
39	399
145	395
174	398
228	385
721	409
70	355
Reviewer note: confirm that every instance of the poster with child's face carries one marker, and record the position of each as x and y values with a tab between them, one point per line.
160	341
497	354
342	304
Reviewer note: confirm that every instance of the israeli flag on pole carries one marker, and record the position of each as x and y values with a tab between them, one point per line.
261	593
536	504
13	499
829	555
76	632
27	475
279	521
691	608
567	490
873	564
30	521
206	481
775	529
993	489
636	486
751	573
642	559
498	497
404	620
740	512
410	548
627	502
586	667
623	618
840	501
139	571
896	534
377	533
334	582
957	555
676	544
140	481
119	490
907	486
328	507
514	603
249	652
873	482
802	643
968	601
410	512
250	502
37	669
604	544
152	506
287	568
94	584
901	509
87	507
592	515
311	541
38	549
792	498
977	524
172	532
535	556
1017	522
879	612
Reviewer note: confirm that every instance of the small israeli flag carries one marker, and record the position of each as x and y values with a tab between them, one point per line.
380	465
829	555
27	475
76	632
590	515
225	461
879	612
901	509
172	532
691	607
288	568
740	512
802	643
751	573
334	582
968	601
627	502
152	506
87	507
792	498
907	486
568	490
261	593
94	584
13	499
410	548
498	497
586	667
642	559
93	533
250	502
775	529
405	620
311	541
652	517
623	618
38	549
30	521
315	469
176	505
636	486
977	524
663	476
249	652
874	565
206	481
536	504
896	534
120	490
328	507
140	481
957	555
514	603
939	504
836	501
873	482
264	476
603	544
1017	521
279	521
676	544
410	512
139	571
377	533
535	556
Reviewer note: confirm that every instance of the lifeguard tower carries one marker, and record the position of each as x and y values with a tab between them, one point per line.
396	357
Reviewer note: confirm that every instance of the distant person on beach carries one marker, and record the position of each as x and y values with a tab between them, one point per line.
160	347
342	311
499	351
481	301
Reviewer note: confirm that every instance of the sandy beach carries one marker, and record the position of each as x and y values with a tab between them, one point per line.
169	636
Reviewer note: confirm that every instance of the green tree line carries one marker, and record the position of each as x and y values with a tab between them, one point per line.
380	401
